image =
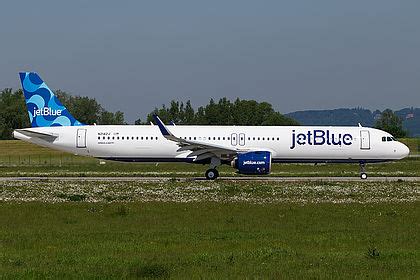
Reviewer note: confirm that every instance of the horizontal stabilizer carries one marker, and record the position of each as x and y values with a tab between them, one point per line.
50	137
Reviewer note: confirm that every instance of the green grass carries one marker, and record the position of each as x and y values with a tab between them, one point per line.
209	240
18	158
219	230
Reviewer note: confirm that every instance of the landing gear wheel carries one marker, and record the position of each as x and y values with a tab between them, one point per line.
212	174
363	174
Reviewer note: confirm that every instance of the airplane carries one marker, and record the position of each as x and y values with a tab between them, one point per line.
251	150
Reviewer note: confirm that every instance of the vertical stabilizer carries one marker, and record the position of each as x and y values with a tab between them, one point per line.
43	106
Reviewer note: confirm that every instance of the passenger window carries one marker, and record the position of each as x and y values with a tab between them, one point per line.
228	138
156	138
141	138
278	138
137	138
147	138
99	138
218	138
224	138
389	139
383	139
253	138
132	138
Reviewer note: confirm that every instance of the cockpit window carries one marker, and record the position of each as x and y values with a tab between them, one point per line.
388	139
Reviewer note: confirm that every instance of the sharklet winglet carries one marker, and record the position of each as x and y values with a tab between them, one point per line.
165	132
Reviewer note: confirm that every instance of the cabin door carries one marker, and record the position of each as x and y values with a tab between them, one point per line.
364	140
81	138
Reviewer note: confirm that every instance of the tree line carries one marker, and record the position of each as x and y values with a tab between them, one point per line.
250	112
223	112
391	123
13	113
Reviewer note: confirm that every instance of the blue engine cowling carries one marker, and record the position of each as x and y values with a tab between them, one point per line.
258	162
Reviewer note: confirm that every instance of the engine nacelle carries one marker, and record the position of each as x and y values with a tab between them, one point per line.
258	162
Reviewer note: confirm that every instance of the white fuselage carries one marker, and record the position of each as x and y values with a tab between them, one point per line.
287	144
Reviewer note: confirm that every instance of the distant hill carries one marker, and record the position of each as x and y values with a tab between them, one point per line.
410	116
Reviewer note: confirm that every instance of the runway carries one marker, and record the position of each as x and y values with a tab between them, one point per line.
189	179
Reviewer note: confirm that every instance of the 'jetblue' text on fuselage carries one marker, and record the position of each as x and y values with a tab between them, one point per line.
320	137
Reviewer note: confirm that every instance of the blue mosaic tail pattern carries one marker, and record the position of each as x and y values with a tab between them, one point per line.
43	106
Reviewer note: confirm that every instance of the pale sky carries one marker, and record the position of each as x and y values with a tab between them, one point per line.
136	55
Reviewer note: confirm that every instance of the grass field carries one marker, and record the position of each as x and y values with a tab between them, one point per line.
216	230
18	158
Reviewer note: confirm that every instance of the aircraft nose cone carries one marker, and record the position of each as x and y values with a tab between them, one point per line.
404	150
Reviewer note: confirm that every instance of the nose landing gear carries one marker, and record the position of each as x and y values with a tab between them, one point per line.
363	174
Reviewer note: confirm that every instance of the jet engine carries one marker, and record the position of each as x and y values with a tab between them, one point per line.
258	162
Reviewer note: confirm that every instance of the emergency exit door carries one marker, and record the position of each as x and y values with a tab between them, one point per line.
237	138
364	140
81	138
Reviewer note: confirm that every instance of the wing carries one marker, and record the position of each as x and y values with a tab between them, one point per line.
200	150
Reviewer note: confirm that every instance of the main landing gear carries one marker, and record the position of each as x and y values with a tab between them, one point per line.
363	174
212	173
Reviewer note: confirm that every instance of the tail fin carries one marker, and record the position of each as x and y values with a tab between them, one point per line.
43	106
